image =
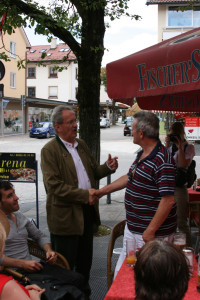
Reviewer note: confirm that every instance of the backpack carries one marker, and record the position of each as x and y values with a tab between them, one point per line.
186	175
191	174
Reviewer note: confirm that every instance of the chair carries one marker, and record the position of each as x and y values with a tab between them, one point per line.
36	251
117	231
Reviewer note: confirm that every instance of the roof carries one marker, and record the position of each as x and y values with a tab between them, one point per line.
28	45
149	2
57	53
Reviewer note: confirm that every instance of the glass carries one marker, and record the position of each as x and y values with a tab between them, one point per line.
180	240
188	251
130	252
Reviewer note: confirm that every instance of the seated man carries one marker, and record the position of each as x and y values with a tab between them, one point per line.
16	253
161	272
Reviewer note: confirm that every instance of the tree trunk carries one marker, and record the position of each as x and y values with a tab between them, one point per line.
89	68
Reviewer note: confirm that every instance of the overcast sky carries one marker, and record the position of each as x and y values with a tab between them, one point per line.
125	36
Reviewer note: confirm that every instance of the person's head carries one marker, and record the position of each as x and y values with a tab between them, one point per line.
145	124
177	128
4	230
8	198
64	121
161	272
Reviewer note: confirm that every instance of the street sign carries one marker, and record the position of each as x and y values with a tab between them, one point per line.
2	70
18	166
192	128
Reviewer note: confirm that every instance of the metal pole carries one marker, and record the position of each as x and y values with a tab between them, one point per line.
37	201
108	196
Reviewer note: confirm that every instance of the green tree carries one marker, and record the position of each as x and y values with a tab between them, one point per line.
80	24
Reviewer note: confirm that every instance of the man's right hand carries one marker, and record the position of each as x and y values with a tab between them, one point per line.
92	197
31	266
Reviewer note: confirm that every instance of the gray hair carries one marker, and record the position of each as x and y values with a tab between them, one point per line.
57	117
148	122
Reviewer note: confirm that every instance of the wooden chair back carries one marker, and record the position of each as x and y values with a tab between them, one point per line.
117	231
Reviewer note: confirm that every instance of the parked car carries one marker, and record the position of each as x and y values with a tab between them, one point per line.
104	122
128	127
42	129
128	119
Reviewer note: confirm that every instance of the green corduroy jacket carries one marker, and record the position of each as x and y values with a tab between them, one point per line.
64	199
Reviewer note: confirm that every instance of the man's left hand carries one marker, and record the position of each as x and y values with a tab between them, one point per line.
112	162
148	236
51	257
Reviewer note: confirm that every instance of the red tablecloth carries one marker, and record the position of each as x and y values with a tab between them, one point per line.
123	287
194	196
194	199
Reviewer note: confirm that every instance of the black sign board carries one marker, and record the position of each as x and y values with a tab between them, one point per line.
2	70
18	167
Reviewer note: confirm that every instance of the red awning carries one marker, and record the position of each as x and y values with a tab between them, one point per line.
165	76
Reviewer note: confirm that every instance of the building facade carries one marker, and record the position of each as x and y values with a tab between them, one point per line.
14	82
175	17
45	80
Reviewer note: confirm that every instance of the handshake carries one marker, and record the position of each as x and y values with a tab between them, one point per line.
94	196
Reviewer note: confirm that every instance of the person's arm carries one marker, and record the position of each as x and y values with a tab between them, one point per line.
51	256
116	185
112	162
13	291
27	265
160	216
182	161
43	241
34	291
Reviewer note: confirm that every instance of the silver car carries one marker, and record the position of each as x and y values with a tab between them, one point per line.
104	122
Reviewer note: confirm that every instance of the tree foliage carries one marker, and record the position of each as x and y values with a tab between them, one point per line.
103	77
80	24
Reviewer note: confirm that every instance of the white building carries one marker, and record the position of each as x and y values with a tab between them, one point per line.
43	80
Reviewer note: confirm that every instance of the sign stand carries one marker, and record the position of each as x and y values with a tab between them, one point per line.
20	167
37	201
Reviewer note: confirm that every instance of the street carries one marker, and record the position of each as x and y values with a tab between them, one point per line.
112	141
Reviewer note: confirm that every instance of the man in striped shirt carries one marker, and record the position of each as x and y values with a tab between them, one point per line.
149	197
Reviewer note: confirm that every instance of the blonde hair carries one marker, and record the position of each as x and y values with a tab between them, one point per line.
2	239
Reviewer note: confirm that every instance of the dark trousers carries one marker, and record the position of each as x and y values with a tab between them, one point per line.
78	250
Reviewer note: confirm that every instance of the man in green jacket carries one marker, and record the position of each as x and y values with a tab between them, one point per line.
69	174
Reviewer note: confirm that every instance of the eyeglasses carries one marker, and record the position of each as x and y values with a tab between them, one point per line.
133	171
70	122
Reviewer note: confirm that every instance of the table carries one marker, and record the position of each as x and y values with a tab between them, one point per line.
194	200
123	287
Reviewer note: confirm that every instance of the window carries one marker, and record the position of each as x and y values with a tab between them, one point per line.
76	92
31	72
32	50
52	72
13	80
76	76
185	18
53	92
13	49
43	50
31	91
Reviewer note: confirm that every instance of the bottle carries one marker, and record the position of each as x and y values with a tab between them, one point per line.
194	185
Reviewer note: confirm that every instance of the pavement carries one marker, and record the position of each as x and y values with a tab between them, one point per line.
111	214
